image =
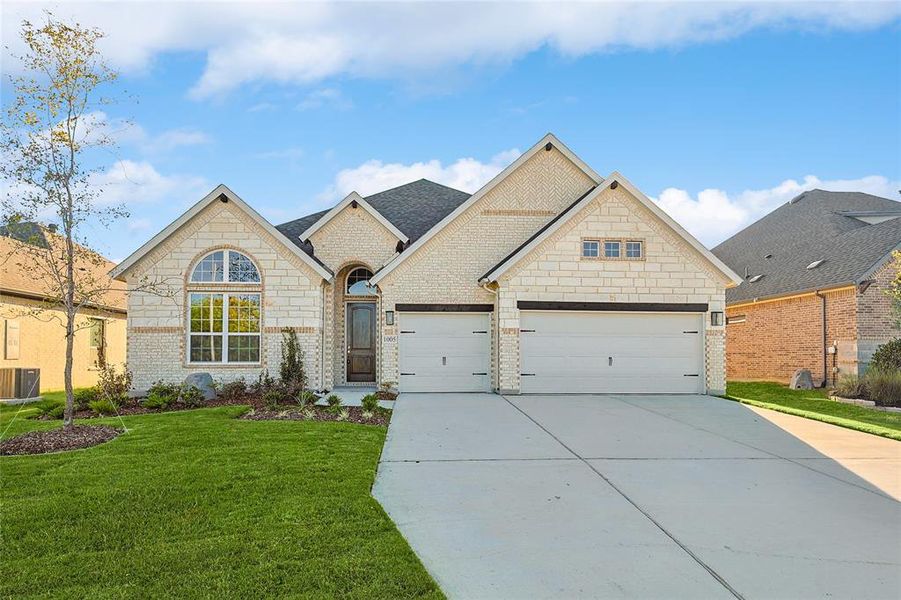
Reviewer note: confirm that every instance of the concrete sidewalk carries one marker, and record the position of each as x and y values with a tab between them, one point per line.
639	497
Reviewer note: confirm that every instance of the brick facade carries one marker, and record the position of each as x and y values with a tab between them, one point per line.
781	335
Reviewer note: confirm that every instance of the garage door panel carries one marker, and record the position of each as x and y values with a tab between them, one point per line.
570	352
444	352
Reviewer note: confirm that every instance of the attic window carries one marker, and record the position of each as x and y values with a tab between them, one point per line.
815	264
755	278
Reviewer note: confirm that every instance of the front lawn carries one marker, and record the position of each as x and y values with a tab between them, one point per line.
199	504
815	404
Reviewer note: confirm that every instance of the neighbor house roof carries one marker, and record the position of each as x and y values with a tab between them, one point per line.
612	181
778	254
19	277
412	209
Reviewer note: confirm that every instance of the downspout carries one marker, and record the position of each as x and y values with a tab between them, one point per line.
322	341
823	303
497	332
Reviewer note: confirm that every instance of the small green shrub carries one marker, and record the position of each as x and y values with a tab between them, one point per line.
112	385
84	397
273	397
884	386
57	412
233	391
343	415
263	384
851	386
191	396
157	400
334	401
887	356
291	370
49	407
370	403
307	398
103	407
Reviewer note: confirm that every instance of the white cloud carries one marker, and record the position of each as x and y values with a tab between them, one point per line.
138	225
129	182
176	138
98	125
307	42
467	174
326	97
714	215
290	154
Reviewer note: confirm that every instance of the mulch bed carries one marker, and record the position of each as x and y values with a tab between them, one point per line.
58	440
318	413
383	395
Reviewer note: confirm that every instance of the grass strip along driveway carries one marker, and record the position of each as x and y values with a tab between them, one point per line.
815	404
199	504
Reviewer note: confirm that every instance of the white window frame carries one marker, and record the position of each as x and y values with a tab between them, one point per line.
640	249
619	249
225	273
225	333
597	247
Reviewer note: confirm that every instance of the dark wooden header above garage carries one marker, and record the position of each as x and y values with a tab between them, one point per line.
613	306
444	308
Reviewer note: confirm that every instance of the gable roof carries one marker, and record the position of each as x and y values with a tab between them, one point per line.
548	141
815	226
352	197
612	180
221	192
19	278
411	208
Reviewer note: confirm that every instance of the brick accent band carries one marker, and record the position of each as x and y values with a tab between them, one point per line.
294	329
498	212
157	330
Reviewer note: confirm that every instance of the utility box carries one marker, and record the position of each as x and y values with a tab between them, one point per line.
18	383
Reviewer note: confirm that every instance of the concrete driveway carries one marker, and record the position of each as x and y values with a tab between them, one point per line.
640	497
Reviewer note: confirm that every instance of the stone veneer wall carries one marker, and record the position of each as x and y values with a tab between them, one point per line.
671	271
447	268
291	297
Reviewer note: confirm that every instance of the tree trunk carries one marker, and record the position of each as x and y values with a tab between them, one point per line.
69	416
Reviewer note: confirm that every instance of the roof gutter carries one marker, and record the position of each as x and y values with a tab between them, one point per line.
41	297
789	295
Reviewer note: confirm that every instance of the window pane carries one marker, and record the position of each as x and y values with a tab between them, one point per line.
590	249
243	313
611	249
96	333
243	348
206	348
357	282
241	269
633	249
209	269
206	313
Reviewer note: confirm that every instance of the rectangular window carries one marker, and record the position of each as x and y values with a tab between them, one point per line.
611	249
633	249
97	330
590	248
224	328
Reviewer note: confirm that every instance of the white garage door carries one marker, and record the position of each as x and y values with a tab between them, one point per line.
603	352
444	352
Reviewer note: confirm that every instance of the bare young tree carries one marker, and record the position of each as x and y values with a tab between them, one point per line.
54	140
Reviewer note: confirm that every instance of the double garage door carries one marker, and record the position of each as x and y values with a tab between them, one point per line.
603	352
561	352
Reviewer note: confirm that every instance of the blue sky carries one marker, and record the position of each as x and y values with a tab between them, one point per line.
718	114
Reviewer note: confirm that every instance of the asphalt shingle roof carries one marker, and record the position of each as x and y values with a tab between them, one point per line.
809	228
413	208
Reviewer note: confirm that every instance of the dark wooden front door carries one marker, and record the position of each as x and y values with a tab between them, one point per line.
360	342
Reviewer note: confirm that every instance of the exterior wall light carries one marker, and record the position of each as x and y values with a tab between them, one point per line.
716	318
389	317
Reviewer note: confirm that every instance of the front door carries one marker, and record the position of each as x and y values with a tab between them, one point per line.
361	342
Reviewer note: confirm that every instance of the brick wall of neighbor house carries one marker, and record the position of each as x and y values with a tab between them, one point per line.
875	324
671	271
447	268
291	297
780	336
352	238
42	342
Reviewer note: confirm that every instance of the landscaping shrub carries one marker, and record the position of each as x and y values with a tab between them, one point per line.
307	398
103	407
112	385
191	396
233	391
50	407
291	370
884	386
370	403
57	412
156	400
262	385
84	397
851	386
334	402
887	356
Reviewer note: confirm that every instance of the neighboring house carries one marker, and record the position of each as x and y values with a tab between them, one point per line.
549	278
813	296
33	330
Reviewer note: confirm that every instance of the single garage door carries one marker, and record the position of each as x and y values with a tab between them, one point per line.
444	352
607	352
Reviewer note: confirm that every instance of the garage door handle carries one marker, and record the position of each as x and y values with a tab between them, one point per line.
689	332
408	332
406	374
480	373
480	332
690	375
527	374
527	331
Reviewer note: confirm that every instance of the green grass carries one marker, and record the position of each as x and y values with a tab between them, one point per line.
815	404
198	504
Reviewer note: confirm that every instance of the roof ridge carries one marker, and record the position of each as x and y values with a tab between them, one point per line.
397	187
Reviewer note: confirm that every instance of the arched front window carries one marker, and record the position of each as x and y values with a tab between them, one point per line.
224	266
358	282
224	325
